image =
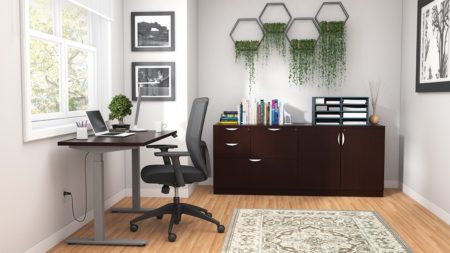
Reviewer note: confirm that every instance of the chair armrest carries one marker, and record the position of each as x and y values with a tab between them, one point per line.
172	154
175	157
162	146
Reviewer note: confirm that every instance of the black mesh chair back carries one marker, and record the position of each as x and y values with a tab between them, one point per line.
194	135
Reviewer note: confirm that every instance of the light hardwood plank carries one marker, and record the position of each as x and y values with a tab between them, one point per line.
422	230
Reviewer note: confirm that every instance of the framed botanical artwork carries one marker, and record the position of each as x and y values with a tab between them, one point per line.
433	46
156	78
153	31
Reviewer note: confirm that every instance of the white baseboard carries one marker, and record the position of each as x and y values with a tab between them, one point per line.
185	192
391	184
72	227
436	210
208	181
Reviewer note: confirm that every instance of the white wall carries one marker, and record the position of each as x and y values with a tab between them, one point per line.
35	174
175	113
374	52
425	125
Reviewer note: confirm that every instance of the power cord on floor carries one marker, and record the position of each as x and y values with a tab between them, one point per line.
85	193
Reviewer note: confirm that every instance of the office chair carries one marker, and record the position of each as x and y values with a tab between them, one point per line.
177	175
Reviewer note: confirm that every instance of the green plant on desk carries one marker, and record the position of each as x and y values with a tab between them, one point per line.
119	108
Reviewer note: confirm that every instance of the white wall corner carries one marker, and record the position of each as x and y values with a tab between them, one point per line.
63	233
392	184
436	210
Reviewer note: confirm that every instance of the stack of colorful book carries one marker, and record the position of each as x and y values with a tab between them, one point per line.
229	118
260	112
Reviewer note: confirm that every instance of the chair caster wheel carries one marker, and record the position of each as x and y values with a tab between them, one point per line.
159	217
208	214
172	237
134	227
220	228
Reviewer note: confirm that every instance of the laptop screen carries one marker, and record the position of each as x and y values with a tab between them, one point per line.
97	122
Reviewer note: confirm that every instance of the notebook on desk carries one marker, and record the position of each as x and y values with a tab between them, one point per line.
99	125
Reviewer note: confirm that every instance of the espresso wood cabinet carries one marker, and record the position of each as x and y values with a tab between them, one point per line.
299	160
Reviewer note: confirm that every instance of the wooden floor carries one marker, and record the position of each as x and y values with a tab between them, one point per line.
423	231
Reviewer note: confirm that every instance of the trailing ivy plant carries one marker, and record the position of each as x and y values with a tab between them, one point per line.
274	38
301	67
332	53
247	50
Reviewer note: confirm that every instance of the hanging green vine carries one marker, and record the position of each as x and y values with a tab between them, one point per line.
247	50
332	53
301	67
274	39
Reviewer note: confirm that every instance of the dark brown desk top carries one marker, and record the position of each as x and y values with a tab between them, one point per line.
138	139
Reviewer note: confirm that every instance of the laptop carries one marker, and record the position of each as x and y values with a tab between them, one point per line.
99	125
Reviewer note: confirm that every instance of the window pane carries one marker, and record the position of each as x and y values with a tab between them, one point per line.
44	77
75	23
41	16
79	71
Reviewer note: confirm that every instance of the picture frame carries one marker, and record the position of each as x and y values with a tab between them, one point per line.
153	31
433	46
157	78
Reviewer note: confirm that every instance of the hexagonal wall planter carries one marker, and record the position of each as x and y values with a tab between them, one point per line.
332	47
275	39
247	50
302	49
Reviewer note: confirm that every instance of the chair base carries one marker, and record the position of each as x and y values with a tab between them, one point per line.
176	210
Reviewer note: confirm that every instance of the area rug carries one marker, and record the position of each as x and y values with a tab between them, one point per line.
310	231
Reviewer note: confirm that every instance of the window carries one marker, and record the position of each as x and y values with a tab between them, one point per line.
62	65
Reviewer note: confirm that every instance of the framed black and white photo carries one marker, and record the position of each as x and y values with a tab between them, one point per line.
156	78
153	31
433	46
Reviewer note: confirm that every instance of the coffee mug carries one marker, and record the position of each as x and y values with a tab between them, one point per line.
160	126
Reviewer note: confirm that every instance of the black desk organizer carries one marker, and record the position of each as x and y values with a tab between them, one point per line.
340	111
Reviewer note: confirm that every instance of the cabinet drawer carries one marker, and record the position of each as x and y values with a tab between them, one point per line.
232	142
273	173
257	174
231	173
276	142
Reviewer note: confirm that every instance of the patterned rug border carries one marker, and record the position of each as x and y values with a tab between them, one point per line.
230	229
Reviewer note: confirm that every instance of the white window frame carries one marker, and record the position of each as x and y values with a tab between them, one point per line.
63	122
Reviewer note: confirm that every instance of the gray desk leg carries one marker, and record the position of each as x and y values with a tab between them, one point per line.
99	207
135	184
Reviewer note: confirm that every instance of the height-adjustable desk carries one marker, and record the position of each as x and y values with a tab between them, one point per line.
97	146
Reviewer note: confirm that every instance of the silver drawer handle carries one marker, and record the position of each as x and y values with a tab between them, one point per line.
255	160
231	144
231	129
274	129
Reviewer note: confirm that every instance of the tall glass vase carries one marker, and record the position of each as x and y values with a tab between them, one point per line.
374	89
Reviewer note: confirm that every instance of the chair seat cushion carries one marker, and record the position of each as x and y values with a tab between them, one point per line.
164	174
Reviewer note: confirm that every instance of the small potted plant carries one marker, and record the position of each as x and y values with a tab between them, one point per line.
120	107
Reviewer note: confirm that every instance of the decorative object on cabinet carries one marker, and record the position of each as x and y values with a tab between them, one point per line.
335	111
374	90
153	31
332	47
156	78
299	159
432	62
275	29
302	51
247	50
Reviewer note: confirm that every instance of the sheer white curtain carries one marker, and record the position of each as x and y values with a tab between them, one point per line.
102	8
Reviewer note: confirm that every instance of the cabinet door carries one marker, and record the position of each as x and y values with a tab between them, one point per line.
362	159
274	142
319	157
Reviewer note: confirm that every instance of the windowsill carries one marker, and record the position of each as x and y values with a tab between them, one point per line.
49	132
